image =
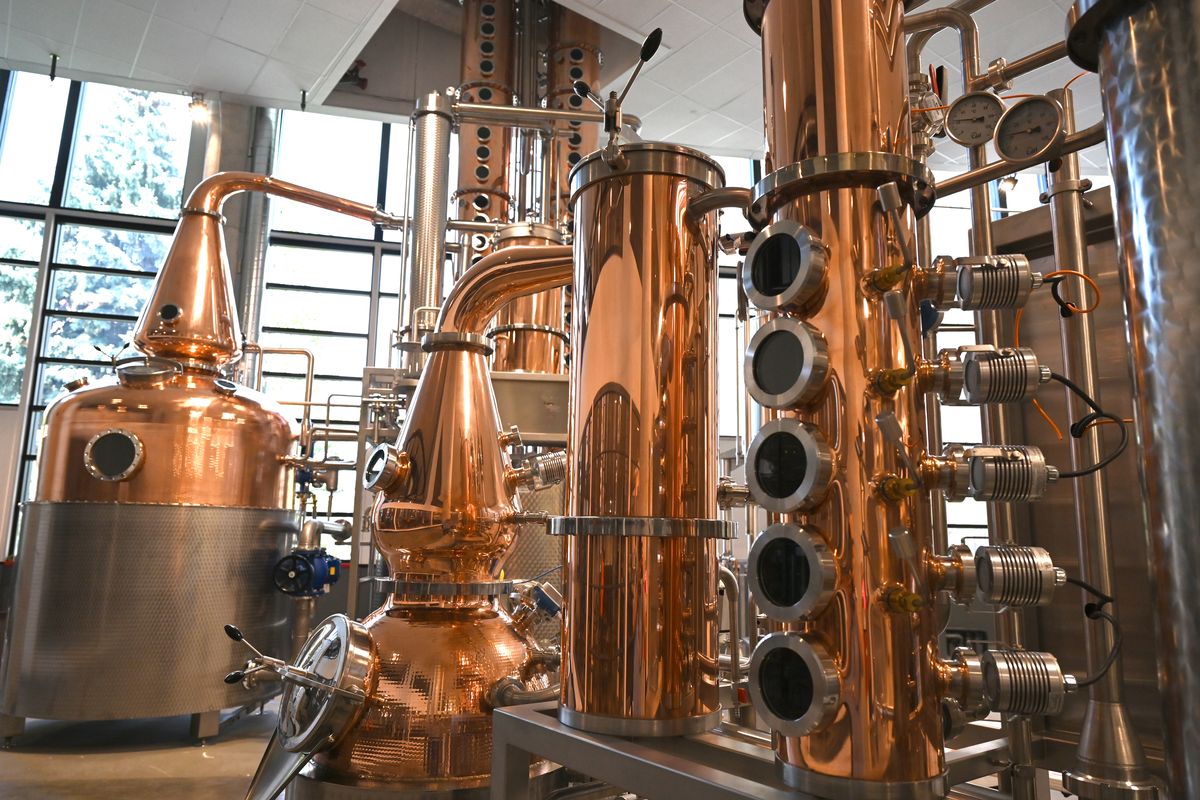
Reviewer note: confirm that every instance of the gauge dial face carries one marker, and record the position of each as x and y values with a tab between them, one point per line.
972	118
1029	130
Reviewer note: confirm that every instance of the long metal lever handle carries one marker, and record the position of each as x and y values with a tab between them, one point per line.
893	434
897	309
893	205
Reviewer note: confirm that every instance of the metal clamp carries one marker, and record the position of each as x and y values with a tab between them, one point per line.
641	526
529	327
416	588
841	170
457	341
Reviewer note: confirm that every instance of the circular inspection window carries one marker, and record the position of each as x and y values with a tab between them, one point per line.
113	455
785	268
783	572
787	684
793	684
787	363
789	465
792	574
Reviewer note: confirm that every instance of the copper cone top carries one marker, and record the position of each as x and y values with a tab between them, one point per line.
192	314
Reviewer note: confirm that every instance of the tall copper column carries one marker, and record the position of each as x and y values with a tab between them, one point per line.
849	685
574	56
484	150
640	625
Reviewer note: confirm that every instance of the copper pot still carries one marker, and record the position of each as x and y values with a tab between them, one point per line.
445	512
640	617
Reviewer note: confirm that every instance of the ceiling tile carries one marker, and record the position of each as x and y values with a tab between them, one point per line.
314	39
646	95
709	128
227	67
257	25
736	25
746	108
53	19
679	26
713	11
741	76
633	13
32	48
144	5
353	10
171	49
693	62
112	29
201	15
672	115
282	81
98	64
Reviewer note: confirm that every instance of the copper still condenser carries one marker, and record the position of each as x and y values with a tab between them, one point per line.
640	620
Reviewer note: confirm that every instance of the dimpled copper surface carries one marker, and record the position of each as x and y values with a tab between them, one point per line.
426	721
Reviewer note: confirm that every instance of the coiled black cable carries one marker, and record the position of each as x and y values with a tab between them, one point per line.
1081	426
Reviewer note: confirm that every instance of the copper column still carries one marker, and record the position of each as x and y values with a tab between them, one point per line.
529	334
147	481
850	686
445	513
484	151
574	56
640	618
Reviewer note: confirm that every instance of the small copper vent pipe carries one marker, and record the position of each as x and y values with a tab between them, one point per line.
851	685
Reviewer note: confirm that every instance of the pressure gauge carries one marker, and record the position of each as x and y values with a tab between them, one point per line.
1030	130
972	118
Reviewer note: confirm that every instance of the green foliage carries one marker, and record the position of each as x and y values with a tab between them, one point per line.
129	155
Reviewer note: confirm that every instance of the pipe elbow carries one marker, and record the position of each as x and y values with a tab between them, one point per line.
498	278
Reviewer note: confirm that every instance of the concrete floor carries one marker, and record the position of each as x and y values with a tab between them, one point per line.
148	758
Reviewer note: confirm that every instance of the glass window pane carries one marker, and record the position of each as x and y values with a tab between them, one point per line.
962	424
338	155
397	197
310	266
390	269
388	309
335	355
729	391
30	137
289	390
72	337
55	376
130	152
91	246
21	238
306	310
99	293
17	284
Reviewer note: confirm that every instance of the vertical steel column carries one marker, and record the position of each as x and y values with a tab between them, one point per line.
256	230
1109	758
1148	57
426	245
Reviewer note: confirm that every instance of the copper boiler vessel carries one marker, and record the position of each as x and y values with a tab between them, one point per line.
640	620
849	681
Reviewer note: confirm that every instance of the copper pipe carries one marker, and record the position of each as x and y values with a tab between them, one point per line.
497	278
210	195
530	331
